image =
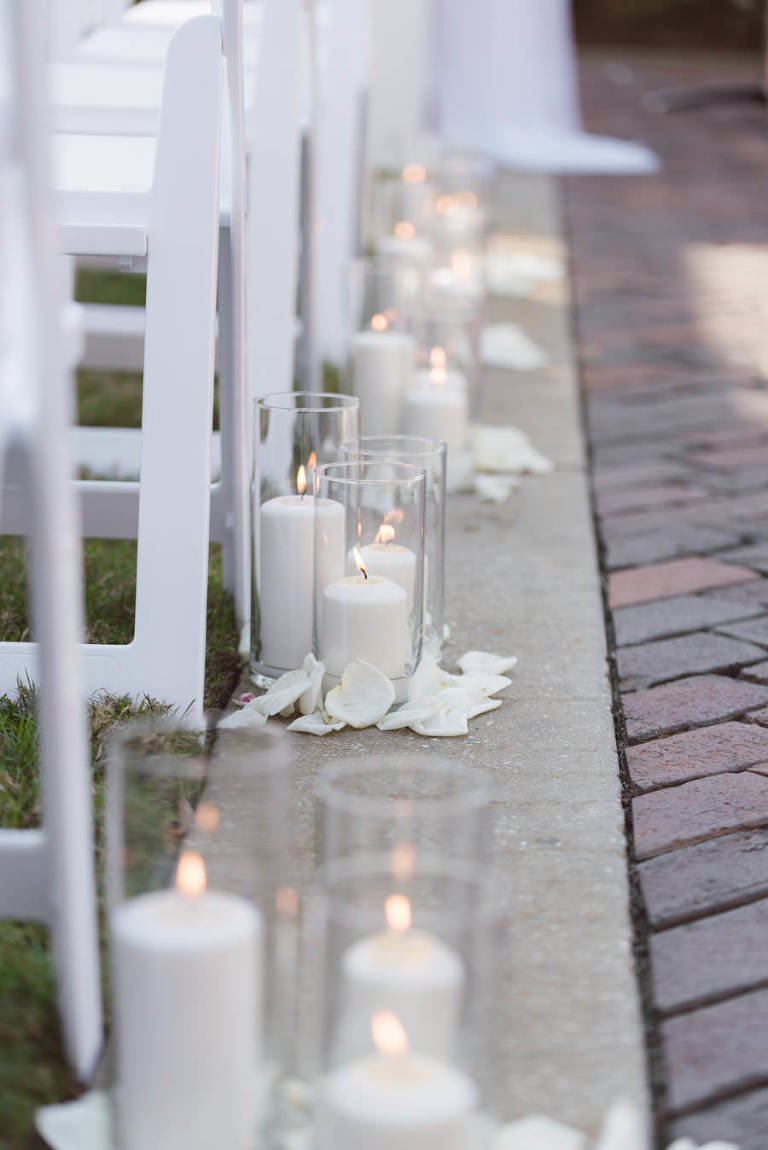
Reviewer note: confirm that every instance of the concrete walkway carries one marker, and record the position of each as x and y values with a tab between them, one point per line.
671	275
523	579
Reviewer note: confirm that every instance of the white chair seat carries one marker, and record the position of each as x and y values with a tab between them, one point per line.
102	186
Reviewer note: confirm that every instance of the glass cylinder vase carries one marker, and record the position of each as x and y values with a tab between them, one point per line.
369	568
429	454
199	933
407	1018
294	434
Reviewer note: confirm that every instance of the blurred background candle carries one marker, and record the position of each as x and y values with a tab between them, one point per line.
382	363
287	570
395	1100
438	409
187	985
410	972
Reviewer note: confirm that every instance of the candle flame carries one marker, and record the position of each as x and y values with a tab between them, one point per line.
312	461
437	357
404	229
301	479
190	873
467	199
397	908
286	901
445	205
207	816
388	1034
359	562
402	861
385	534
379	322
414	174
460	263
396	516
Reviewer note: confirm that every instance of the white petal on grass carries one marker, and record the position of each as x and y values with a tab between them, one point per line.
363	696
311	699
470	703
414	711
539	1133
248	718
428	679
485	662
445	722
317	723
283	693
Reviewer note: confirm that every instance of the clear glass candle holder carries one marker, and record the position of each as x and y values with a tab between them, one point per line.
403	203
369	567
408	1013
457	274
294	433
429	454
201	933
381	351
402	807
462	195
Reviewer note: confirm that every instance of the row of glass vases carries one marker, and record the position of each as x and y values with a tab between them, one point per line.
348	540
343	993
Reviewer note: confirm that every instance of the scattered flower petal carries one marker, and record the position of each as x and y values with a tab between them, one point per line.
283	693
507	345
495	488
414	711
624	1128
363	696
469	703
483	661
318	723
481	681
428	678
287	711
312	698
444	722
249	717
506	450
538	1133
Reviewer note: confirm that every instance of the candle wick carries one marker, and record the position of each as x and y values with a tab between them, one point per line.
365	573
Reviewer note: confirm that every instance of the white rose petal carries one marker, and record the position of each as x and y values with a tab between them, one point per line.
428	678
470	703
485	662
507	345
445	722
283	693
250	717
495	488
318	723
363	696
481	681
507	450
414	711
311	698
538	1133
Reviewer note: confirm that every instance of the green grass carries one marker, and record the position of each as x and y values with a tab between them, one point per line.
32	1067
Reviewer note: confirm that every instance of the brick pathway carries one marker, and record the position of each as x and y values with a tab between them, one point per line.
671	286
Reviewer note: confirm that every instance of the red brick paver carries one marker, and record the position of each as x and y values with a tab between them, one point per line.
671	314
644	584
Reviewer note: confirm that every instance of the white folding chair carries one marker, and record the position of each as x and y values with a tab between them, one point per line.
46	874
156	202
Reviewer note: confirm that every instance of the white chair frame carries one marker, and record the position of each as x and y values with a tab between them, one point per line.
179	223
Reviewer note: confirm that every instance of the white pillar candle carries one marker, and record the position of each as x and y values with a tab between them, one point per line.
382	365
286	564
400	1102
410	972
449	378
187	985
437	411
364	618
